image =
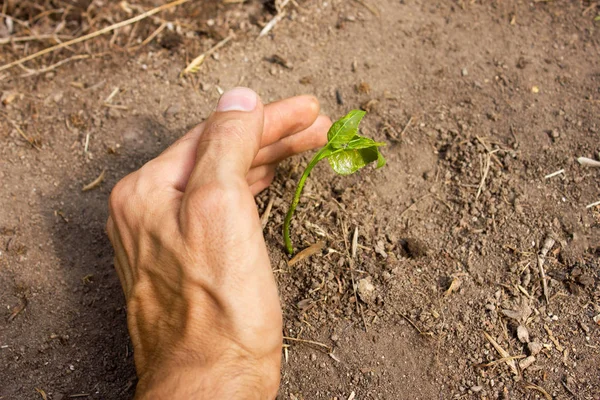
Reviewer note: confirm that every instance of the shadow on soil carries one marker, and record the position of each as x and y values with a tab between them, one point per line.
98	337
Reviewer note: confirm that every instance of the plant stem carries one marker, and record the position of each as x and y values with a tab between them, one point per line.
290	213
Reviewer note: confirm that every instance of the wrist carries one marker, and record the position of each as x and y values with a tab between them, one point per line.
237	378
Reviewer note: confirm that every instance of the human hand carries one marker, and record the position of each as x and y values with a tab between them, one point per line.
203	310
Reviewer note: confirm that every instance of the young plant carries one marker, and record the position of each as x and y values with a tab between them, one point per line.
346	151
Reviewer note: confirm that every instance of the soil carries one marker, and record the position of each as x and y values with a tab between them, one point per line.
478	101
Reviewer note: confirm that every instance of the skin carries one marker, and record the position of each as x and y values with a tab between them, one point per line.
203	310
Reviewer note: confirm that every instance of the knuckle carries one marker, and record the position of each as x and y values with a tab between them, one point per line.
119	196
145	181
214	205
127	197
292	146
217	196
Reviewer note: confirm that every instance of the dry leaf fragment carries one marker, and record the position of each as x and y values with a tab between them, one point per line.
363	87
454	286
95	183
277	59
194	66
369	105
520	315
309	251
554	340
8	97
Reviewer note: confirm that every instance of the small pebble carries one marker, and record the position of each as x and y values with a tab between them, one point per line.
522	334
313	357
464	72
366	290
534	348
476	389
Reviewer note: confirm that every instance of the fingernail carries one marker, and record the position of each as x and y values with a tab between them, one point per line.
238	99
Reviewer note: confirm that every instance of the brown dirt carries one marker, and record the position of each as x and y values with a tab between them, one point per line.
465	75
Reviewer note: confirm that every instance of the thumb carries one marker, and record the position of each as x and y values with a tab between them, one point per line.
230	140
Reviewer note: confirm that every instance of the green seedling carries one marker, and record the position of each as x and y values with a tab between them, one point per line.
346	151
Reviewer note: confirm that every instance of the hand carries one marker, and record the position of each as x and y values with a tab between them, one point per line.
202	306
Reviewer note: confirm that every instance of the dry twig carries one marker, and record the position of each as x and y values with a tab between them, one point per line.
265	217
111	95
151	37
500	360
369	7
541	259
505	355
32	72
406	127
539	389
486	170
18	309
594	204
556	173
93	184
93	34
291	339
430	334
352	252
42	393
275	20
33	38
24	136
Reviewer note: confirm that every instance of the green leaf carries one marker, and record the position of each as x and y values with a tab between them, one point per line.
343	130
380	160
348	161
360	142
348	151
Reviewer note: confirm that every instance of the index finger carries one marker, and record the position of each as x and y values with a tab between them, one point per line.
281	119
